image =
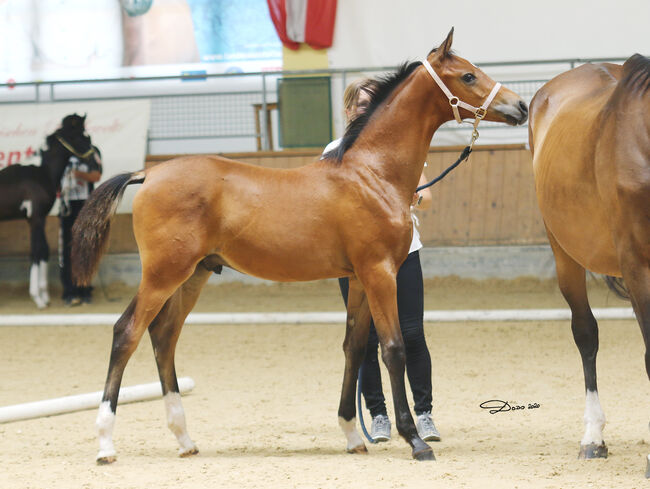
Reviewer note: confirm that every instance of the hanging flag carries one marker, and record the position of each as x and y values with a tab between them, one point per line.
308	21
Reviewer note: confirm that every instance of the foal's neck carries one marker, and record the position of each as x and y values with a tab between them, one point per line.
398	136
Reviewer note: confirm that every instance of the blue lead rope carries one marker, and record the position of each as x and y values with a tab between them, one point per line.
363	425
463	156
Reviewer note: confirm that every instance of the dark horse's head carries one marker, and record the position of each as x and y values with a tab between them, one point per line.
72	136
69	139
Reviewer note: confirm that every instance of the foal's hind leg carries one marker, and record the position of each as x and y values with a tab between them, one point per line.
153	292
354	346
164	332
572	281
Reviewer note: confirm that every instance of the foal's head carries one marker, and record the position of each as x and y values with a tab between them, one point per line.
470	85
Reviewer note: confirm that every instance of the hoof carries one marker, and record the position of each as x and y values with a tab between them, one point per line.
422	455
106	460
188	453
358	449
593	451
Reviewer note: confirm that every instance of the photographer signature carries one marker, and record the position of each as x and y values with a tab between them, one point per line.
496	406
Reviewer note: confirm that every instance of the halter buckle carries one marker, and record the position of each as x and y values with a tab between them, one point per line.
480	113
474	138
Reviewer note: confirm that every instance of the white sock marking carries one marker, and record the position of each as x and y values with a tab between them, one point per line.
42	282
176	422
105	423
594	420
350	430
33	286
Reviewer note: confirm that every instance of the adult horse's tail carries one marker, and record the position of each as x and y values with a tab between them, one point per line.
91	229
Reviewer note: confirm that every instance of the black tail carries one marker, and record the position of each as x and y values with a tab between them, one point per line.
92	227
617	285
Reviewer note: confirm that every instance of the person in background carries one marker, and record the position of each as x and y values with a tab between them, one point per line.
410	303
76	184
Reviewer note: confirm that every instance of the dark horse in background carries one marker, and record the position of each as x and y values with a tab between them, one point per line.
346	215
29	191
590	137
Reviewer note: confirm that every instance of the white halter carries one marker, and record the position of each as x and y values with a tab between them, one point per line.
455	102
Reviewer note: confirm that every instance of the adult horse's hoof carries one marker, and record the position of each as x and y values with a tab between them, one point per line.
358	449
593	451
188	453
422	455
106	460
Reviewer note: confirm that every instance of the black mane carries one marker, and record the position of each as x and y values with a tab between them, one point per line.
385	86
636	74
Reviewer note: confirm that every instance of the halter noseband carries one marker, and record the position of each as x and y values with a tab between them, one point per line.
455	102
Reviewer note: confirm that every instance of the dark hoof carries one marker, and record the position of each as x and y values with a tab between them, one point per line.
422	455
189	453
593	451
106	460
358	449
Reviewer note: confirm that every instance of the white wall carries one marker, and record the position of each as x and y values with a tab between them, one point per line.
386	32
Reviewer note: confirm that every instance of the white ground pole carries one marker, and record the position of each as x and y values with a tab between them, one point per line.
80	402
315	317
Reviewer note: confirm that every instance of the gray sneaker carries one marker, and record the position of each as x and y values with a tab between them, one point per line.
380	429
426	429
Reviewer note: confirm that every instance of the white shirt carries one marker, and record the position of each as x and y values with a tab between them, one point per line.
416	243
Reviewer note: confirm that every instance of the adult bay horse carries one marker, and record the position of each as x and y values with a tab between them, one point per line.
590	137
344	215
29	191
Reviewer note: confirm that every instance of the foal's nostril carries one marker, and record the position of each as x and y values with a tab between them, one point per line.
523	107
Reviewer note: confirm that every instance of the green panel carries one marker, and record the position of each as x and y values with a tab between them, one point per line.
305	112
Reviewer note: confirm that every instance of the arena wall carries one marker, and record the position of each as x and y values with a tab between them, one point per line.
488	200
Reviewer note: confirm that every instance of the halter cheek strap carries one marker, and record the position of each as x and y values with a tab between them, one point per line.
455	102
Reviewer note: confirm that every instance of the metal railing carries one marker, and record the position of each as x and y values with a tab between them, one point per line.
219	108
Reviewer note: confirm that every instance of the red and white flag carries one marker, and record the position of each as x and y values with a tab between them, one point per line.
308	21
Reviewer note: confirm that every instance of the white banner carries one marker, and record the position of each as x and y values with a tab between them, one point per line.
117	128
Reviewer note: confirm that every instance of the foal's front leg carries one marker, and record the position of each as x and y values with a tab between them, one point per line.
354	347
381	290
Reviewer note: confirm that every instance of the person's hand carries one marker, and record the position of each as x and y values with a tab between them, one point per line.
416	199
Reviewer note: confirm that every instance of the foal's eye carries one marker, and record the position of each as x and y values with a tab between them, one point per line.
468	77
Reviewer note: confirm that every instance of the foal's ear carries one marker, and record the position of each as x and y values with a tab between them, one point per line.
445	47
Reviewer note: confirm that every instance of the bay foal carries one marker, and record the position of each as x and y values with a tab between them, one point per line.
345	215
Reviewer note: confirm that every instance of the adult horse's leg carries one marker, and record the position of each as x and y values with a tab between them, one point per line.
39	255
354	347
636	274
572	281
634	259
381	290
164	332
157	285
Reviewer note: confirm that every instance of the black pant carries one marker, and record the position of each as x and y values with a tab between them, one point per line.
65	247
410	305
